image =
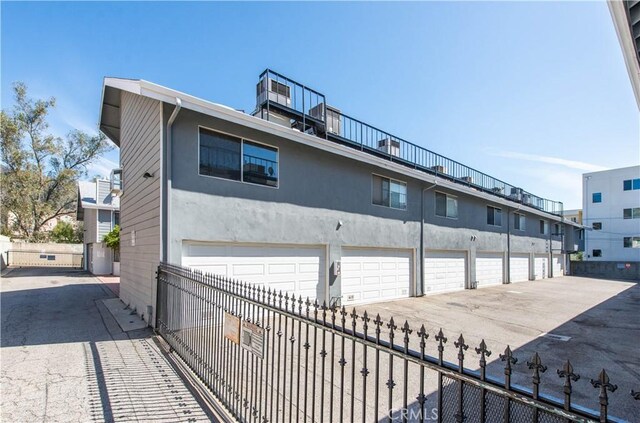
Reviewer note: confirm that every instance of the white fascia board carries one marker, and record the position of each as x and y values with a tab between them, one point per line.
623	30
167	95
101	207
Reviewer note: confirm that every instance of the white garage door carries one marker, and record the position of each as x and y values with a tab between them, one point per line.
444	271
519	267
298	270
541	267
489	269
371	275
557	265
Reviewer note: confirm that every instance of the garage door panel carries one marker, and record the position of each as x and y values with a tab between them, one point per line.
519	267
370	275
445	271
541	268
298	270
489	269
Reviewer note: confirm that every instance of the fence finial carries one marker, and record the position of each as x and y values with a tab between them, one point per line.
509	360
605	385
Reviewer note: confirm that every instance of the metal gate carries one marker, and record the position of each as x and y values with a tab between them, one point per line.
267	356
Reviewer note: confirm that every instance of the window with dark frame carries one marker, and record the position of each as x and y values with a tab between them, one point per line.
633	213
220	157
597	253
388	192
544	227
116	218
494	216
596	197
519	222
631	184
631	242
446	206
596	226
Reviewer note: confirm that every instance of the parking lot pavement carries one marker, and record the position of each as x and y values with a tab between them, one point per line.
64	358
599	317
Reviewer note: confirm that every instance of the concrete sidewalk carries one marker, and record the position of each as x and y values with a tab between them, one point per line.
64	357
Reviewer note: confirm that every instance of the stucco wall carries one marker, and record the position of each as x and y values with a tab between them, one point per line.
316	190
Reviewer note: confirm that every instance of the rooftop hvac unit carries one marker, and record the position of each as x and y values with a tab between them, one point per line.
516	194
439	169
333	117
389	146
278	92
467	179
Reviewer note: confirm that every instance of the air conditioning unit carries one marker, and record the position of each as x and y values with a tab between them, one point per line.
516	194
439	169
467	179
389	146
277	91
333	117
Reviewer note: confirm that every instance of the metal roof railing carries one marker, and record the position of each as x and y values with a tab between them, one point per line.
310	105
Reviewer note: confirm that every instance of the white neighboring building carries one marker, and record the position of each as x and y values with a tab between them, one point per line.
611	214
99	209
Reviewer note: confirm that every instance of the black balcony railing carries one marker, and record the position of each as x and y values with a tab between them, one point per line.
308	111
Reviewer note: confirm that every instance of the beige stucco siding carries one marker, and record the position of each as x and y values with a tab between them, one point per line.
140	202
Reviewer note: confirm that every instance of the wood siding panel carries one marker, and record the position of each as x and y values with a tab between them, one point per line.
140	202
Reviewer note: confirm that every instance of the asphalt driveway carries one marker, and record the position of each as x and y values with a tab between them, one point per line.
597	323
64	358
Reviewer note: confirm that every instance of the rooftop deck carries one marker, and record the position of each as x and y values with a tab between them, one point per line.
308	111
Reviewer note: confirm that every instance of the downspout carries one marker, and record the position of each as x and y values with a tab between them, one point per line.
168	179
435	183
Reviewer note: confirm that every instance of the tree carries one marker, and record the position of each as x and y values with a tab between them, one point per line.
64	232
40	170
112	239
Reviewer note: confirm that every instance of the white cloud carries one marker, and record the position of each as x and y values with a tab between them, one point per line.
572	164
101	167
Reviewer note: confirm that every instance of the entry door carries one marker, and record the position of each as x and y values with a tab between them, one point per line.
557	264
372	275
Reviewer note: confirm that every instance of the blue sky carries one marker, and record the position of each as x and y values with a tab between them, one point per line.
532	93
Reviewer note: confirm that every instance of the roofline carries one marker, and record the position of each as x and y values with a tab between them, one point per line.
620	18
612	170
168	95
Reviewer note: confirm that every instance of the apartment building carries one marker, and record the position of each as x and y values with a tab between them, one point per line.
611	214
300	197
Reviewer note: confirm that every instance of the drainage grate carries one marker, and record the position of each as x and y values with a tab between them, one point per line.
555	336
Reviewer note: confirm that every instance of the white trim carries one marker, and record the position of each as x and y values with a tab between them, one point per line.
242	140
167	95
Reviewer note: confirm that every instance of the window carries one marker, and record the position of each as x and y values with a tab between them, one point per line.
597	253
596	197
596	226
494	216
556	229
116	218
631	242
446	206
631	213
389	193
260	164
220	157
519	222
544	227
631	184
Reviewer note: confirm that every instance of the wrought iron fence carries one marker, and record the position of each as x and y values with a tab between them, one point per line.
25	258
268	357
